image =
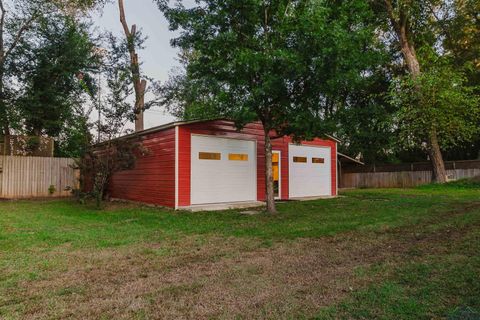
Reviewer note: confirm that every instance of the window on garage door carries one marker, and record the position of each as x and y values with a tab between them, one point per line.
300	159
209	156
238	157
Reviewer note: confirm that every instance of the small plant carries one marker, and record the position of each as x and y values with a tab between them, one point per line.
51	189
80	195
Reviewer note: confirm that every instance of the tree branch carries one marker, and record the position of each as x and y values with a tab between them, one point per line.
2	19
2	24
123	19
19	34
138	85
389	7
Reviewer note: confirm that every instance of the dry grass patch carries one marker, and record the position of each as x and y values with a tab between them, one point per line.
215	277
200	278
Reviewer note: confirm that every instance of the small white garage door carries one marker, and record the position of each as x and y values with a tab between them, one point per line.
223	170
309	171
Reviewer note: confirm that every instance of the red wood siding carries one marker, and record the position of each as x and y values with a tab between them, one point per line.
153	178
184	167
253	131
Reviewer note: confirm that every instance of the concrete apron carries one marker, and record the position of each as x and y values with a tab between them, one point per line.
242	204
223	206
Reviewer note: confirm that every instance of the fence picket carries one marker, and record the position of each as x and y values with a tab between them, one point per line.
29	177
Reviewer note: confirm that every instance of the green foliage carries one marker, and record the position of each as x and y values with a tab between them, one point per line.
284	63
33	143
73	6
116	108
100	162
75	138
437	30
437	100
461	33
55	77
51	189
366	122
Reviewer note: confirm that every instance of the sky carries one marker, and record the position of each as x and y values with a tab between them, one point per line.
158	57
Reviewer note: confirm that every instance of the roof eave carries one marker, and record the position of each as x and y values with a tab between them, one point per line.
350	158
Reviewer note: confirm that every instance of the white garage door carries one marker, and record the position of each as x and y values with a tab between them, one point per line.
309	171
223	170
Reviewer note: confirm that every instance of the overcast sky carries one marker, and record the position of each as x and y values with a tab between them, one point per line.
159	57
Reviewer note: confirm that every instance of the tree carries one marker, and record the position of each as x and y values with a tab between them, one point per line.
280	62
140	85
14	25
366	122
57	75
461	31
22	26
443	103
412	24
75	6
114	153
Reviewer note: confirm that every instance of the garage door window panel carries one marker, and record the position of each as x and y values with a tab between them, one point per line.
237	157
318	160
300	159
209	156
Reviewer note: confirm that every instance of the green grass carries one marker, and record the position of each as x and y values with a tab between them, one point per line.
429	280
47	224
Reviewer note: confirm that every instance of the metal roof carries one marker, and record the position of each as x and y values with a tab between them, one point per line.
349	158
181	123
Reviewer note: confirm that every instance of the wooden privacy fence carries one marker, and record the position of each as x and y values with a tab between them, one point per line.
403	175
31	177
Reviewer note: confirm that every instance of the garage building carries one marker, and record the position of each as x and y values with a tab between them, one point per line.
199	163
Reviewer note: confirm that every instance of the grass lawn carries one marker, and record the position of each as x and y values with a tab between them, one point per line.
370	254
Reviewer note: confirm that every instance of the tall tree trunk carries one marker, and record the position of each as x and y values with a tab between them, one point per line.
139	104
3	108
434	150
401	27
139	85
5	123
439	171
270	196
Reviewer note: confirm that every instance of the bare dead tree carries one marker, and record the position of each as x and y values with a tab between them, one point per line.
139	84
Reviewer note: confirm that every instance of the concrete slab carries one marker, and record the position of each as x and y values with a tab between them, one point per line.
312	198
223	206
250	212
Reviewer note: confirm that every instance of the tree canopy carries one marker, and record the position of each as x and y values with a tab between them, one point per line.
288	64
57	75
